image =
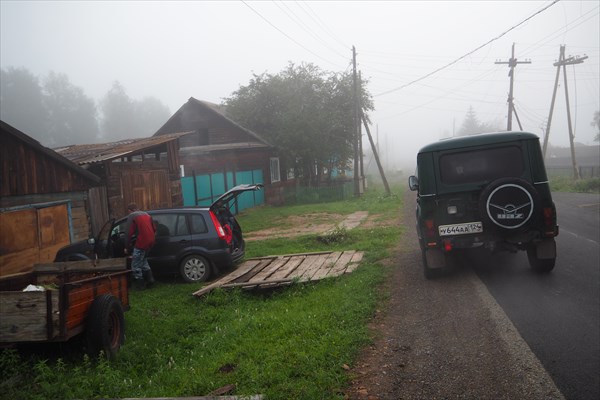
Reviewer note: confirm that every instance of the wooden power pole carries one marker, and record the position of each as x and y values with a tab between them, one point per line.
512	63
363	179
563	62
374	148
359	178
357	185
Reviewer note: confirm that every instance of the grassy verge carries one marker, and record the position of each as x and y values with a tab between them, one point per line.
291	343
567	184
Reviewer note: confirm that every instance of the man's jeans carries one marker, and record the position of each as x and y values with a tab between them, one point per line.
139	263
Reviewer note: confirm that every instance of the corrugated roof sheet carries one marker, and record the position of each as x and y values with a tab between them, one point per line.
94	153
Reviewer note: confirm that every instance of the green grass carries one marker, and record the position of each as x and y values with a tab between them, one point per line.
568	184
289	343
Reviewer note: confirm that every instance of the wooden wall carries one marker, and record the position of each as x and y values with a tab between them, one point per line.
195	159
25	170
34	227
80	221
195	117
151	184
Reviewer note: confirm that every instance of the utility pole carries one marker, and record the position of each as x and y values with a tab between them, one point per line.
383	178
363	180
563	62
512	63
357	186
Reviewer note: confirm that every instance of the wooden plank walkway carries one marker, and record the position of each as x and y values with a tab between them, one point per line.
272	271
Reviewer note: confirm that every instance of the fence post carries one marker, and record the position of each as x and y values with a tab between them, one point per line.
195	188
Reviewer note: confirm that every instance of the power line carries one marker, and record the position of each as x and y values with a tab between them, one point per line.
286	35
316	18
306	28
469	53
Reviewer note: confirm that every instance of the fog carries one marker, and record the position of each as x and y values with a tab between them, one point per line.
426	62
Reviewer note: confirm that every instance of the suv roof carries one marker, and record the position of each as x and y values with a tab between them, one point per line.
477	140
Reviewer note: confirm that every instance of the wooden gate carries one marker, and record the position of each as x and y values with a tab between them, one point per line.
148	189
32	235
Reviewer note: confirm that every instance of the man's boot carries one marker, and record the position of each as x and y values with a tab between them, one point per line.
148	277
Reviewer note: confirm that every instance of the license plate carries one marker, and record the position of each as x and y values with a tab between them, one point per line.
460	229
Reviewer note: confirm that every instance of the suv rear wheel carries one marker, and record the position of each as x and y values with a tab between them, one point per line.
195	268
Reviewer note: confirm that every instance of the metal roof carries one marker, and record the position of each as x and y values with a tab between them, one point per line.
99	152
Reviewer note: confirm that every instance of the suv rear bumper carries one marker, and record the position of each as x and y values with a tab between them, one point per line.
519	241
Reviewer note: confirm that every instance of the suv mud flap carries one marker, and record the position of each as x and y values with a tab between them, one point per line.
434	262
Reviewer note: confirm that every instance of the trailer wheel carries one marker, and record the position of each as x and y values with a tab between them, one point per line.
105	326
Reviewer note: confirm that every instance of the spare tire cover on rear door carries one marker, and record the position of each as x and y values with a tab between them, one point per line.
509	203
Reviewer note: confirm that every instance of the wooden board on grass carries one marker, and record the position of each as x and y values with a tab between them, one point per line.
274	271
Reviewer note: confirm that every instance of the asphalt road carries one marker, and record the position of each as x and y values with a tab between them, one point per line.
557	314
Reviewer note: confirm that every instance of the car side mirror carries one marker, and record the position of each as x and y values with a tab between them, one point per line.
413	183
91	241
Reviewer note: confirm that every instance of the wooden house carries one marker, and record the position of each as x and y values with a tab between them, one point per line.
44	201
220	154
144	171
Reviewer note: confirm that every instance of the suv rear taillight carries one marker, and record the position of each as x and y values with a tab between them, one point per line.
218	227
549	222
430	235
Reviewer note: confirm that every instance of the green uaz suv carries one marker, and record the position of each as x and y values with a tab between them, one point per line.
487	190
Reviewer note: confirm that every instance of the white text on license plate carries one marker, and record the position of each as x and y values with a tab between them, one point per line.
460	229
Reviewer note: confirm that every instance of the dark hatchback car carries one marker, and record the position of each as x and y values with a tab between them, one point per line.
194	242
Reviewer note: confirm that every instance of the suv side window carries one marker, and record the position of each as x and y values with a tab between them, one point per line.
170	224
198	224
481	165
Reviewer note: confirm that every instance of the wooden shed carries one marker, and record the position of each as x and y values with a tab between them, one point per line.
44	201
223	152
145	171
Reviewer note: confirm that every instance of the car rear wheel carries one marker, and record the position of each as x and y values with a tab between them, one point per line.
195	268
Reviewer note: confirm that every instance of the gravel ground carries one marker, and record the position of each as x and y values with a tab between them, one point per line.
443	339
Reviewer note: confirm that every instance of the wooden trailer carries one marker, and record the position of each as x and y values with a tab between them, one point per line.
58	301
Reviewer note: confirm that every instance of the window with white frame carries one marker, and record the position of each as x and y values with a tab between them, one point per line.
274	162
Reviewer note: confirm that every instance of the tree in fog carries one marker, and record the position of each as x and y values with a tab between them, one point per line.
117	115
472	126
150	115
22	103
71	114
125	118
304	111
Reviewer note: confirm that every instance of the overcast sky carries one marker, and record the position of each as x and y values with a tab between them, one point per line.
176	50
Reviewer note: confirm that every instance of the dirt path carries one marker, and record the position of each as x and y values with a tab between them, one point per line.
444	339
304	225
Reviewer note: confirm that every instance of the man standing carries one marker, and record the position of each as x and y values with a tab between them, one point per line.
140	224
